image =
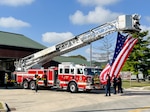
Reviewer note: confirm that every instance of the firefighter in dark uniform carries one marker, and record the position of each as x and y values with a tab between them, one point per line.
45	78
36	82
115	84
6	81
108	85
119	82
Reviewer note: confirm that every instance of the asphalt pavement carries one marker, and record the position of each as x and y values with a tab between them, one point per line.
22	100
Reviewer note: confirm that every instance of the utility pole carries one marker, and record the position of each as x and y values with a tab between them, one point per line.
90	54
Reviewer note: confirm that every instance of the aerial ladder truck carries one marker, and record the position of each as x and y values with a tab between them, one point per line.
67	75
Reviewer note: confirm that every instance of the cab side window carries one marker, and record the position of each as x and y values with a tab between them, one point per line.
66	71
72	71
61	70
79	71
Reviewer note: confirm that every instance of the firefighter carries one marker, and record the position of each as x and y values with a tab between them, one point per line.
115	84
6	81
36	82
45	78
96	80
108	85
119	82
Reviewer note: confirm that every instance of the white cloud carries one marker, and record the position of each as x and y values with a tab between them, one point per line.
53	37
10	22
97	56
97	2
144	28
87	50
147	18
15	2
98	16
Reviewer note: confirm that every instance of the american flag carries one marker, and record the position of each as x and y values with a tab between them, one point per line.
122	57
119	45
123	48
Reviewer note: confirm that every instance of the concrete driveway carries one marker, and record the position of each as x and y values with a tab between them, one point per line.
52	100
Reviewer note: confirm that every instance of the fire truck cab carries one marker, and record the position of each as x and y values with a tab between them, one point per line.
76	77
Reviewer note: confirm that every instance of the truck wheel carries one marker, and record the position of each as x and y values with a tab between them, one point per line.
88	90
32	85
25	84
73	87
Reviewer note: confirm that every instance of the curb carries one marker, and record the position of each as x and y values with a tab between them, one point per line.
5	107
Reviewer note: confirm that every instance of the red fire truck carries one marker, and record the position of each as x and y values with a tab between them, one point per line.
67	76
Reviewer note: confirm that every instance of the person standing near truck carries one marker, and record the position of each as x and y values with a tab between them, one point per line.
45	78
36	82
119	82
115	84
6	81
108	85
96	81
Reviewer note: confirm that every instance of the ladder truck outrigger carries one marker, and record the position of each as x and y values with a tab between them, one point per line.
68	75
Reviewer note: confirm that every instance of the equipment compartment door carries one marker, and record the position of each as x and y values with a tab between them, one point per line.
51	77
19	78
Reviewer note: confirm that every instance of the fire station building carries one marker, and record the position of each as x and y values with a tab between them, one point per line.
15	46
12	47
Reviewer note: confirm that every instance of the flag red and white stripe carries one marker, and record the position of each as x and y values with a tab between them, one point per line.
117	65
104	73
122	57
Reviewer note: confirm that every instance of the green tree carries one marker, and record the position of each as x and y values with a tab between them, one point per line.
139	59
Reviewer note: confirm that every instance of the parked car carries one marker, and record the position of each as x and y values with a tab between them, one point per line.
134	77
148	77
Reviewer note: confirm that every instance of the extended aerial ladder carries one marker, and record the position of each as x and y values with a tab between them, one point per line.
124	23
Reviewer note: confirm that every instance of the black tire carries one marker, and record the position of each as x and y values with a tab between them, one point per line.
32	85
25	84
88	90
73	87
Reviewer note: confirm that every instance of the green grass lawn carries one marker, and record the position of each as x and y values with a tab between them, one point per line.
1	106
134	83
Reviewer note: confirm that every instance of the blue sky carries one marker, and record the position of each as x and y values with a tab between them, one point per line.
52	21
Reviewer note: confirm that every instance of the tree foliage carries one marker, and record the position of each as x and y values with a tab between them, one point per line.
139	58
78	56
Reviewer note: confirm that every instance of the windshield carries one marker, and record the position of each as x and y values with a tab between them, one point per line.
92	71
